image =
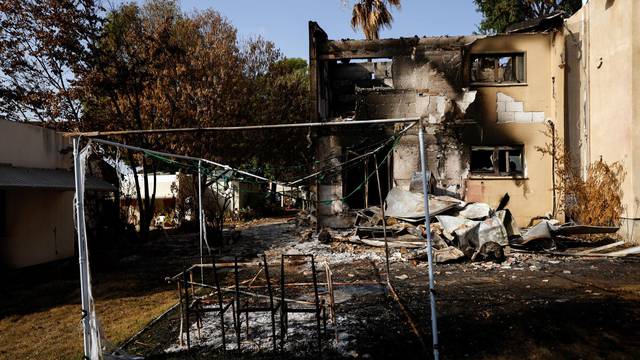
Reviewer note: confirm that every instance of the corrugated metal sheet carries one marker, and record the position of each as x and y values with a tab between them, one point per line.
20	177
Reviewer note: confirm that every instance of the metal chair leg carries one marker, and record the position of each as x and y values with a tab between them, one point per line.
317	302
237	302
271	308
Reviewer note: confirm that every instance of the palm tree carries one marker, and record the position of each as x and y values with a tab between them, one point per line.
372	15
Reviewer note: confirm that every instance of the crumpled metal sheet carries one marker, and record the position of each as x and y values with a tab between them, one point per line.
538	236
476	211
489	230
492	230
509	222
475	237
403	204
452	223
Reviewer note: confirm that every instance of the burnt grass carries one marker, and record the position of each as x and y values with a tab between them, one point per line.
541	308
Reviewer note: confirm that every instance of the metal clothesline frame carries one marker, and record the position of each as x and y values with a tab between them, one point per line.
327	124
85	284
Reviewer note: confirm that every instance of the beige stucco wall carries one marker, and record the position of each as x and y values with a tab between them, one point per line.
603	47
39	223
531	195
39	227
27	145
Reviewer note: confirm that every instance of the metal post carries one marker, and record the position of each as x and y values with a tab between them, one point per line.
384	221
82	249
200	217
432	294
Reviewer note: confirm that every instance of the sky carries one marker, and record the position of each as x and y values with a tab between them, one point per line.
285	22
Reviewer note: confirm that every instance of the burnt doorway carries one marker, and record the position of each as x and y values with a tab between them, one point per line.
359	182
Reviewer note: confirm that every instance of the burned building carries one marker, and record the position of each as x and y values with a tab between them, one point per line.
484	102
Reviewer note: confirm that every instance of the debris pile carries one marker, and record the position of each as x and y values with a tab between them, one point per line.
459	230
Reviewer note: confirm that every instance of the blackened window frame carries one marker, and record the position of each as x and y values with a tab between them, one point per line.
508	173
497	55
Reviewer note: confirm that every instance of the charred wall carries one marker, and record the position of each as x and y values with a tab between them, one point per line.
393	78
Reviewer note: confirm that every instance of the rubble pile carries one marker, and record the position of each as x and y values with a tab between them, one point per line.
459	230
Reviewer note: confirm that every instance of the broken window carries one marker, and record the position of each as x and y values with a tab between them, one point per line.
498	68
497	160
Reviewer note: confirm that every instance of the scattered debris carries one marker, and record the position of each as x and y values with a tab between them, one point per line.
459	230
409	206
476	211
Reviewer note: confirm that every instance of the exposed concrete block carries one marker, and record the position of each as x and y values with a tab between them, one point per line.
537	117
504	98
410	73
514	106
506	116
509	110
405	159
422	104
441	106
523	117
403	184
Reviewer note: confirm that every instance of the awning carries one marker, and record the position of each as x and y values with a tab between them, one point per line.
32	178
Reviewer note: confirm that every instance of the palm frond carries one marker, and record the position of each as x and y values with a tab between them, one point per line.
372	15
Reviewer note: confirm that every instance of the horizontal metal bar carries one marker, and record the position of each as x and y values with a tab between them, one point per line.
302	311
183	157
92	134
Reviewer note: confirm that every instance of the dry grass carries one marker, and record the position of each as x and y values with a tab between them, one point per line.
594	200
55	332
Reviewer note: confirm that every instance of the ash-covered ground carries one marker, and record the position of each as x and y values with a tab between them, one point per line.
531	306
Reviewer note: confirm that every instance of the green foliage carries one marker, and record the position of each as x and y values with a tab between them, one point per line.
498	14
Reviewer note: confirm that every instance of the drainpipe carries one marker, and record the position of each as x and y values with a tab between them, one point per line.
585	52
553	164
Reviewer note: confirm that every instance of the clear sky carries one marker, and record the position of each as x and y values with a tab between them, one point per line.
285	21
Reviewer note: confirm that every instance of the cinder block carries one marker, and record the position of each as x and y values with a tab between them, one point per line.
514	106
502	107
537	117
422	104
504	98
506	116
523	117
441	105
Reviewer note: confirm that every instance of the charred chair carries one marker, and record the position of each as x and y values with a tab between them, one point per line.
193	305
317	309
246	303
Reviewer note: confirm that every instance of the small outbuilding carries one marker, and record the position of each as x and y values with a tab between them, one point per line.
36	195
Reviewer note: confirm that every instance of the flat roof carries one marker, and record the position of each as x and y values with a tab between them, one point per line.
31	178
